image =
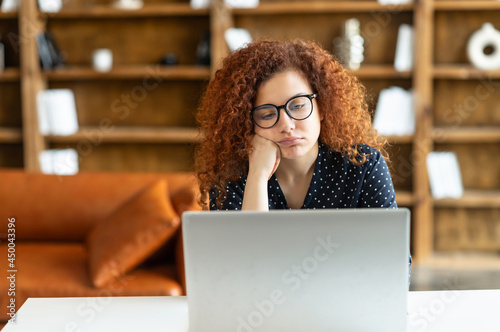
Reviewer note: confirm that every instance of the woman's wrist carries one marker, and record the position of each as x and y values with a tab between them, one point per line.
258	175
255	195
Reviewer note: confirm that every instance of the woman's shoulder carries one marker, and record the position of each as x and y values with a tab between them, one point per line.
364	150
369	151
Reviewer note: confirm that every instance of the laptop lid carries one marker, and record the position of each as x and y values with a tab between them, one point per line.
301	270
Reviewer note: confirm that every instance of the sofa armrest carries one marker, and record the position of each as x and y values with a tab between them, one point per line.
179	260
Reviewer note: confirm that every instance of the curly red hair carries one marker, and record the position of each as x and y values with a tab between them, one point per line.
224	112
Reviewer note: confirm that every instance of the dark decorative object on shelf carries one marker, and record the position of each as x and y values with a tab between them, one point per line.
169	59
203	50
50	55
2	55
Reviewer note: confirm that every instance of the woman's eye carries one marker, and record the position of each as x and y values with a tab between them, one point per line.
267	116
296	106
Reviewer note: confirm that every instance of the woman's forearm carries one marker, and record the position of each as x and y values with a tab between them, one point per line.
255	195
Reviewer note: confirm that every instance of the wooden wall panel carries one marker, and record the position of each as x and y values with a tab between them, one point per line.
10	104
128	103
467	103
374	86
9	32
401	166
453	30
11	155
467	229
110	2
479	164
134	157
132	40
378	30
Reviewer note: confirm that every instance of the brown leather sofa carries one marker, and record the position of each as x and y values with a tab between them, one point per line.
69	229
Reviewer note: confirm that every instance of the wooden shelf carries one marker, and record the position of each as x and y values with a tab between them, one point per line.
380	71
101	11
466	135
10	135
472	199
404	198
130	72
395	139
8	15
462	261
312	7
467	5
132	135
9	75
463	72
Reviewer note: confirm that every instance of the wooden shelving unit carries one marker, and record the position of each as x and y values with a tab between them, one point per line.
466	135
9	75
9	135
8	15
136	72
402	139
108	11
472	199
11	144
463	120
380	71
404	198
154	129
312	7
463	72
466	5
133	135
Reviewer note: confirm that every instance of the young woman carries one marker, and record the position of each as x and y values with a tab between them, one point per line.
286	127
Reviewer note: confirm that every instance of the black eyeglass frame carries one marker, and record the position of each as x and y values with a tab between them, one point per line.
284	106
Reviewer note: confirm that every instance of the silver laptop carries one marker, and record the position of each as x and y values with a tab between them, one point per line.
302	270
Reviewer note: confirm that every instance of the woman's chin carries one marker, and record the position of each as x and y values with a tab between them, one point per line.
291	152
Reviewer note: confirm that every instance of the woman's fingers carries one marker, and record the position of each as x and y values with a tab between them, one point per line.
277	162
265	156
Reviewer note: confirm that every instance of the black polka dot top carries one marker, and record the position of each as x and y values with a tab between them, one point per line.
336	183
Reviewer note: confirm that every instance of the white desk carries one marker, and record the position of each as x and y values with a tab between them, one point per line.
453	311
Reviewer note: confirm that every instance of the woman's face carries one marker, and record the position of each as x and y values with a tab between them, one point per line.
295	138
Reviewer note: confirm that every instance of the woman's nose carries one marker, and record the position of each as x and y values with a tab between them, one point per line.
285	123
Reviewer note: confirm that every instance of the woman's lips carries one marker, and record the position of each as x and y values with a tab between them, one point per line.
289	141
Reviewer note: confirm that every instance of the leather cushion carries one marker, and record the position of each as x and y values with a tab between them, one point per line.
51	269
66	208
129	235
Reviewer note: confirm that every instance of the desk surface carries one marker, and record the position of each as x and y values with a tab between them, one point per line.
454	311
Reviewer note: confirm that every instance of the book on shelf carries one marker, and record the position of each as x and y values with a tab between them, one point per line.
403	60
59	161
9	5
50	6
204	4
444	175
48	51
242	3
2	55
394	2
56	110
395	112
237	38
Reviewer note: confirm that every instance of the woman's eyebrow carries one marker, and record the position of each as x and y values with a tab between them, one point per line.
293	96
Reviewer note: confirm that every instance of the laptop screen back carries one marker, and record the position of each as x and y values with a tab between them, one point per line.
302	270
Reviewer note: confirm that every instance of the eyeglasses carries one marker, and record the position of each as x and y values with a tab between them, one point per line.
297	108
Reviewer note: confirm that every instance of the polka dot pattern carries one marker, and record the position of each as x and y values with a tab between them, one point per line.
336	183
